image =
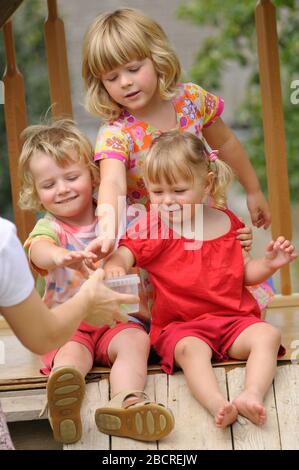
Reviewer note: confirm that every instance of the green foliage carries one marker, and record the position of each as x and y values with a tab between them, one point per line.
29	44
233	39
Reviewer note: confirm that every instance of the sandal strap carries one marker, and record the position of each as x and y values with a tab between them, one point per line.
118	399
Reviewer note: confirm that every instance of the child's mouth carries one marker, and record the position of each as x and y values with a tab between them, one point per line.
69	199
133	94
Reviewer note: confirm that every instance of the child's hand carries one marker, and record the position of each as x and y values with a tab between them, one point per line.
74	260
101	248
245	237
114	271
259	209
279	253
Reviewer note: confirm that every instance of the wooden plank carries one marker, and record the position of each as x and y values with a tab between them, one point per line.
57	64
194	426
274	131
96	395
122	443
285	301
287	403
3	323
25	407
246	435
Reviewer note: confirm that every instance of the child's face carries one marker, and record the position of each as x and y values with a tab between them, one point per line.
172	198
133	85
66	191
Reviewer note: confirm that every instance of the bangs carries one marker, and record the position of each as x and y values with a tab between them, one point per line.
169	169
116	47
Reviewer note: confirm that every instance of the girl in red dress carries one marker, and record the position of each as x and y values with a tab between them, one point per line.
202	308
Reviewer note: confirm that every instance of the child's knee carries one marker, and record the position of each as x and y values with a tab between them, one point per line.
187	346
274	337
270	337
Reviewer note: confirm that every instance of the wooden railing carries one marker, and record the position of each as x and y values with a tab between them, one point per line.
276	162
15	105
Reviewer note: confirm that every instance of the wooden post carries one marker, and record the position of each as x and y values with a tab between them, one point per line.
16	121
57	64
274	132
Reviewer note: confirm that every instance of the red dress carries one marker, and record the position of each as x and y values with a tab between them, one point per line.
197	292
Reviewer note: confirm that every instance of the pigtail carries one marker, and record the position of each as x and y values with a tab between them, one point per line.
223	176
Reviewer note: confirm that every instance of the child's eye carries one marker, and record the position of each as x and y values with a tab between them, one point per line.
47	186
112	79
72	178
134	69
180	190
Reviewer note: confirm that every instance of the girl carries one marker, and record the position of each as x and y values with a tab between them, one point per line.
131	75
202	308
59	177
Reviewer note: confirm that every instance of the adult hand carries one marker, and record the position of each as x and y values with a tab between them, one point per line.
102	303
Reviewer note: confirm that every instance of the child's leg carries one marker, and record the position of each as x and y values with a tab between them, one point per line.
129	412
128	351
65	391
194	357
260	344
74	354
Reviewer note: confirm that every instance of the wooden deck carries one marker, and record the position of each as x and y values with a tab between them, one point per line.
194	428
22	394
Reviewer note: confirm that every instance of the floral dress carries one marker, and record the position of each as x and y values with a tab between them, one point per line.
128	140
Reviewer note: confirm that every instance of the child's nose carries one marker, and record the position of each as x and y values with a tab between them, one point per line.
62	187
125	80
168	199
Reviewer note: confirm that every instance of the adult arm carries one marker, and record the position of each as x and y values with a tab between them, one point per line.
41	330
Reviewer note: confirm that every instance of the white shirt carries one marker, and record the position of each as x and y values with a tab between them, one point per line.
16	280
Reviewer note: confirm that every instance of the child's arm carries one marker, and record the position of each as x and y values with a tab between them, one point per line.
47	256
219	136
111	199
277	254
119	263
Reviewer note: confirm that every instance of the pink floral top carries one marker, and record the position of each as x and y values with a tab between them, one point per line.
128	139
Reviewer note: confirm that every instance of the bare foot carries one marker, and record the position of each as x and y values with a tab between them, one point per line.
226	415
250	406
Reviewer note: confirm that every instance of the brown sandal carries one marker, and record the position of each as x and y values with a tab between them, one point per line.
65	393
144	420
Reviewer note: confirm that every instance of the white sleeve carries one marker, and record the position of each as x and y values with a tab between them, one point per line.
16	280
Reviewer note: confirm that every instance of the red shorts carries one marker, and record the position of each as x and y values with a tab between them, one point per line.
225	331
95	339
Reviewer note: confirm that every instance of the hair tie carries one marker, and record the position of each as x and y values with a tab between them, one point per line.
213	155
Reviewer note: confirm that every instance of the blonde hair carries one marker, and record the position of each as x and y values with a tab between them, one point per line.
116	38
175	155
55	140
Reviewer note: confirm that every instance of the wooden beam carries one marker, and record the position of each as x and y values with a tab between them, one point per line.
274	132
15	121
57	64
7	8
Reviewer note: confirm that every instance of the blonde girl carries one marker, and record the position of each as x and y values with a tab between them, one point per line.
202	308
58	177
131	74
